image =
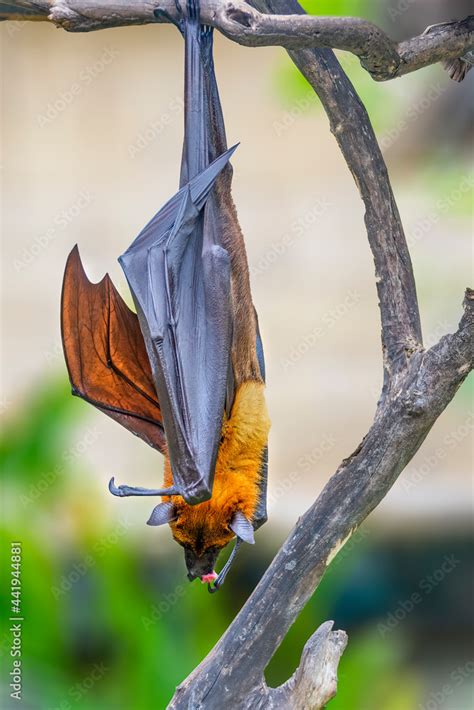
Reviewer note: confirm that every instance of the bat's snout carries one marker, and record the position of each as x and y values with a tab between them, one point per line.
201	567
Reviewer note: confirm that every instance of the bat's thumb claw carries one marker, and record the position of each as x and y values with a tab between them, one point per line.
113	488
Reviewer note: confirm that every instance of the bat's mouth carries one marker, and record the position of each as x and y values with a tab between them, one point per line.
201	566
209	578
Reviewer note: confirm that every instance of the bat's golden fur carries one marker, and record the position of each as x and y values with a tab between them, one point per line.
237	475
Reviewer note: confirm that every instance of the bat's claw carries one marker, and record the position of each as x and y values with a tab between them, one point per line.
122	491
116	491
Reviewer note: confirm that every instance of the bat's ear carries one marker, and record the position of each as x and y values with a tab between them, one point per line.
163	513
242	527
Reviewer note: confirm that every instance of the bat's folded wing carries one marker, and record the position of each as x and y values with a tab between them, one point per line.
179	275
106	355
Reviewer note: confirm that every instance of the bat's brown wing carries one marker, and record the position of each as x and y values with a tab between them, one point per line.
105	354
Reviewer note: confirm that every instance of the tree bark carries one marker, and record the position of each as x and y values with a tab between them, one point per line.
242	22
418	385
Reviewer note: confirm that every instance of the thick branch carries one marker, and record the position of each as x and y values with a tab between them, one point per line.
418	386
232	674
243	23
350	124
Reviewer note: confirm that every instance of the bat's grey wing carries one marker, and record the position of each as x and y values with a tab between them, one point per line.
217	143
179	275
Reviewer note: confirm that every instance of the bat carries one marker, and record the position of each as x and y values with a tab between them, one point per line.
185	372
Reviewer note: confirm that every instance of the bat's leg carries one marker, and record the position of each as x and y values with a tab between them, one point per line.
122	491
223	573
178	23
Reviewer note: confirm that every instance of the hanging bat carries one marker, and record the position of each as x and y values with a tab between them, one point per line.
186	371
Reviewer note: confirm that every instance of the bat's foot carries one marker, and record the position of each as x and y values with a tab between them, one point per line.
193	9
123	491
219	579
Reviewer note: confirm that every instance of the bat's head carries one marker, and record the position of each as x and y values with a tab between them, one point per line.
201	567
203	540
203	530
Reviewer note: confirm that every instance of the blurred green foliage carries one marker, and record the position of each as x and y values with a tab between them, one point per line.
107	626
368	663
393	112
357	8
32	439
297	95
450	184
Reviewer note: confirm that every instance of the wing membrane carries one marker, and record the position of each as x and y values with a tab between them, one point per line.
106	356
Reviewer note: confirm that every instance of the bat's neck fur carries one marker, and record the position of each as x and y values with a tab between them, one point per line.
237	475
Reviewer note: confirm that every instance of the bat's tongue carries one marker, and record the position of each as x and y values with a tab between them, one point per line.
209	578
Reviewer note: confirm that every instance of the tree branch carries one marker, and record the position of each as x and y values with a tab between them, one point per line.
418	385
242	22
314	682
350	124
232	674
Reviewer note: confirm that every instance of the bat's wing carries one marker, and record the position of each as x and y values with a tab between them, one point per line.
217	143
105	354
179	274
180	281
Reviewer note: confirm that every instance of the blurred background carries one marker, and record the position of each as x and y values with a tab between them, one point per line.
91	137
